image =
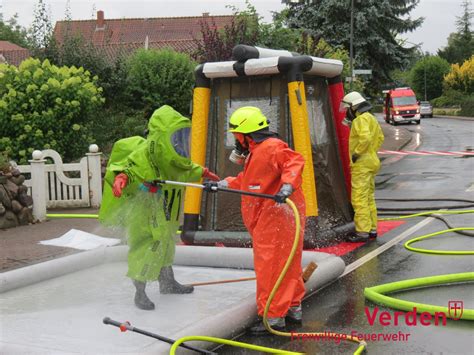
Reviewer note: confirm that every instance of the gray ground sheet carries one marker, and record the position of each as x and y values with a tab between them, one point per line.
63	313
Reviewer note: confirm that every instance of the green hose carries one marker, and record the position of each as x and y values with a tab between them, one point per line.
438	252
426	213
377	294
239	344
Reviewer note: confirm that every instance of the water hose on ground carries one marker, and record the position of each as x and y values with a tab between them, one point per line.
377	293
71	215
469	203
438	252
127	326
434	214
362	344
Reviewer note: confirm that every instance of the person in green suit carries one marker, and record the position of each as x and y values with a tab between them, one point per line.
149	212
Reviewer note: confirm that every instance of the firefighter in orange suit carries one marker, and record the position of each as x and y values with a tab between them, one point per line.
270	167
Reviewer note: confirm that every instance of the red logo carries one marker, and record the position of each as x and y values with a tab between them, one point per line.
455	309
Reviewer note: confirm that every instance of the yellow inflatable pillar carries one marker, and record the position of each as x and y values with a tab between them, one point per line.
302	142
200	119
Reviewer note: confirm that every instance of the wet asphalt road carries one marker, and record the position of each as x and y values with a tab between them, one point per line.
341	306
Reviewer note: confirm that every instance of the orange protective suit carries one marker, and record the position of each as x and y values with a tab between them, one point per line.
269	165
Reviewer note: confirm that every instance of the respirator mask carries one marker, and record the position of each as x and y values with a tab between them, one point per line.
238	154
350	115
347	121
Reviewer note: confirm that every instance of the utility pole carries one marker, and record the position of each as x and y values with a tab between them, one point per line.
351	48
423	55
424	70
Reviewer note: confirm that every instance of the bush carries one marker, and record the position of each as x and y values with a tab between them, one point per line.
4	163
117	123
446	111
461	78
377	108
156	78
467	107
450	98
44	106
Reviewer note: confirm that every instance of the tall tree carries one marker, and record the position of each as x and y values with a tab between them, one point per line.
427	76
41	29
216	45
376	26
461	43
12	32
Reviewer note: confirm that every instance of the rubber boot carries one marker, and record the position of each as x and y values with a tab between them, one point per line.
358	237
373	234
276	323
168	285
295	314
141	299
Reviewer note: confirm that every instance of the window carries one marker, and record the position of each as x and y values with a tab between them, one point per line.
404	100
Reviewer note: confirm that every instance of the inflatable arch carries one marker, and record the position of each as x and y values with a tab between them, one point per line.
300	95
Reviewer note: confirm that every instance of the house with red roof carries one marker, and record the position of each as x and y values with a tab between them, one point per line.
12	53
129	34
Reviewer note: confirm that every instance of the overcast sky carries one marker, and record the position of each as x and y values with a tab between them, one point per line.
440	15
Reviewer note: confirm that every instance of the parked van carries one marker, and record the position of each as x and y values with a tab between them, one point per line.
401	106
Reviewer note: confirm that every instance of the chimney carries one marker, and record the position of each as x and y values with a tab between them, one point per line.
100	20
205	14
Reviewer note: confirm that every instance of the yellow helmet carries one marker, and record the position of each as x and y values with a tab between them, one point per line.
247	119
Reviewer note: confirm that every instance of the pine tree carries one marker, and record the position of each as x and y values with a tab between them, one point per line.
377	23
461	43
41	29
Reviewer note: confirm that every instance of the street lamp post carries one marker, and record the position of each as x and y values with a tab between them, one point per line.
351	48
423	55
424	70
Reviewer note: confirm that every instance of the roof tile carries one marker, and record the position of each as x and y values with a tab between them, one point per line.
13	54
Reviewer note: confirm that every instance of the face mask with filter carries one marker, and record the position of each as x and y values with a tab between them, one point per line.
238	154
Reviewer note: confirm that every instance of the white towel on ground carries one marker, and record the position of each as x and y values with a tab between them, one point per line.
78	239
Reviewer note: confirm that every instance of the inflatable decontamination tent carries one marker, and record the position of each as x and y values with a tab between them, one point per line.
300	95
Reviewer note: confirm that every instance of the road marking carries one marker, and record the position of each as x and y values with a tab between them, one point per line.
359	262
424	152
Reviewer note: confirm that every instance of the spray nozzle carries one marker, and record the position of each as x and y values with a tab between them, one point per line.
151	186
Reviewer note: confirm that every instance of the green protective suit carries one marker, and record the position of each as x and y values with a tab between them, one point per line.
365	140
151	219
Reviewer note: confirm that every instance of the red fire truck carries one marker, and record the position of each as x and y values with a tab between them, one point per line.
401	106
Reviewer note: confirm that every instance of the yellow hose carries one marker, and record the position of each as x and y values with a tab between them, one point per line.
229	342
362	343
71	215
359	350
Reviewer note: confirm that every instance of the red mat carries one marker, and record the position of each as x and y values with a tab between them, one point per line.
346	247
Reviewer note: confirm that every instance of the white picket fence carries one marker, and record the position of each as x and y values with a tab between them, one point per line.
51	188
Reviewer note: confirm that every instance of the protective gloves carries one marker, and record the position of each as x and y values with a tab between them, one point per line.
285	191
354	158
212	186
207	174
120	182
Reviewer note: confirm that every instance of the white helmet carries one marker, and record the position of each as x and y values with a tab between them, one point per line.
352	100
